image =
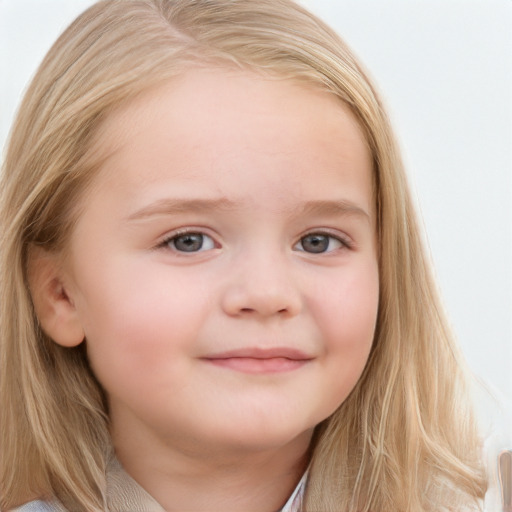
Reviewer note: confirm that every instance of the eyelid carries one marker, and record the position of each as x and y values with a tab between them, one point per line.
343	238
168	237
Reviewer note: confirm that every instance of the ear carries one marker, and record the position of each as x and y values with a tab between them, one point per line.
53	305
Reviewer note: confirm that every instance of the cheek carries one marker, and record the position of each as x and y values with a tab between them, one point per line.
139	324
347	318
349	306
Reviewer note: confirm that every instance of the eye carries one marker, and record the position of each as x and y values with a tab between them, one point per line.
190	242
317	243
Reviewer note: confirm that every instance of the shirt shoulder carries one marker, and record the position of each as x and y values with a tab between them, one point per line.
494	420
40	506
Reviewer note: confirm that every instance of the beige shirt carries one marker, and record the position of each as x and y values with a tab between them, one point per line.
125	495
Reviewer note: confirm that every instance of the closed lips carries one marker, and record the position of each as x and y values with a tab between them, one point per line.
257	360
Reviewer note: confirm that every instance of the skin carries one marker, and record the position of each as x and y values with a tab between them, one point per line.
219	362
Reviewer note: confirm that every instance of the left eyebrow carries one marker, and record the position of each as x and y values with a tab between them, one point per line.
341	207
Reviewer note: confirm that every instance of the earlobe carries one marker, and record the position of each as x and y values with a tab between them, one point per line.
54	307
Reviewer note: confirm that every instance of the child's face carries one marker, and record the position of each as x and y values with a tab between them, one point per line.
224	266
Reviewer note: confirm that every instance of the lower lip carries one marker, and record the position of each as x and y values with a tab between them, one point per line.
255	365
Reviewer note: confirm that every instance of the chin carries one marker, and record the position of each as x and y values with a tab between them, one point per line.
265	436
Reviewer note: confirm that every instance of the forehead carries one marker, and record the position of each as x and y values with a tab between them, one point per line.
205	88
225	120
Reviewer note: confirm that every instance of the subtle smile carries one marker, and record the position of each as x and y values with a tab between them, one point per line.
257	360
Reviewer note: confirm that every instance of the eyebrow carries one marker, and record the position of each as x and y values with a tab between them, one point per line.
339	207
170	206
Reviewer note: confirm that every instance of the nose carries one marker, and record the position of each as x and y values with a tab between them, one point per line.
262	287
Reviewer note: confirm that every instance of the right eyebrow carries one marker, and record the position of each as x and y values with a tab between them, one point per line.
169	206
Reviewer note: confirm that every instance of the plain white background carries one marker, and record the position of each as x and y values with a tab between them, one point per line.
444	68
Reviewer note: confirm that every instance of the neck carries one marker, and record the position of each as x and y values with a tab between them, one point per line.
249	480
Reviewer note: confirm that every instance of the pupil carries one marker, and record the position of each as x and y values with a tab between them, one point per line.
315	243
189	243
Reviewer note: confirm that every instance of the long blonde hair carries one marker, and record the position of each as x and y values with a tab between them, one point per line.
404	440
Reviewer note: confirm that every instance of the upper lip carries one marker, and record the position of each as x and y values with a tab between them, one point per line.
263	353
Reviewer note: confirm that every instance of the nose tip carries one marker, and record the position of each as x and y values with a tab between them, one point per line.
262	297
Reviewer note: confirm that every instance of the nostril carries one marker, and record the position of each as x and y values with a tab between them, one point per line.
246	310
260	298
254	310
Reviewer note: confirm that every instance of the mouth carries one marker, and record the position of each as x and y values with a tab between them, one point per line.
261	361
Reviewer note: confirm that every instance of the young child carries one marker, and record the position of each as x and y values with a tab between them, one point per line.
214	292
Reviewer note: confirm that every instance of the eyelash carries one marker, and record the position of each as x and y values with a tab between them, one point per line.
166	243
344	242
